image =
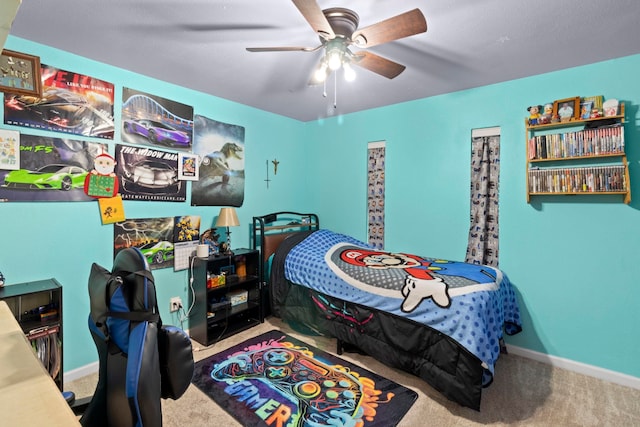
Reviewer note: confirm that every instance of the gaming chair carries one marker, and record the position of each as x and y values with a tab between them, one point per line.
140	361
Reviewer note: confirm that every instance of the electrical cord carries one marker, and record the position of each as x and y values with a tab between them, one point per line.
185	314
226	323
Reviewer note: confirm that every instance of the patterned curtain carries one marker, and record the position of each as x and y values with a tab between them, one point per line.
485	170
375	194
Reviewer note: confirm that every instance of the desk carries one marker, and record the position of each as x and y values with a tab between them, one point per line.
28	395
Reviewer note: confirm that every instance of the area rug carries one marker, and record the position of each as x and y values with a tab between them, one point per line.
277	380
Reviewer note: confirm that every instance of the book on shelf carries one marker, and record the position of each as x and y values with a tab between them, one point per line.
587	142
577	180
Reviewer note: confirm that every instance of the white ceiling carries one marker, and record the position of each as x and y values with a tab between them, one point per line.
200	44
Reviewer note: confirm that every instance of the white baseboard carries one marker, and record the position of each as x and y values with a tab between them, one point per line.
85	370
558	362
581	368
80	372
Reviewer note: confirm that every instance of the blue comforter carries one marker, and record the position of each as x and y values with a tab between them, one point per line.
472	304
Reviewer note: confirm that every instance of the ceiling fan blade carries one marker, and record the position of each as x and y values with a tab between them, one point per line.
315	17
377	64
400	26
283	49
221	27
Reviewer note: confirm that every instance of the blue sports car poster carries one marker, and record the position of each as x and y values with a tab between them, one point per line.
156	121
51	169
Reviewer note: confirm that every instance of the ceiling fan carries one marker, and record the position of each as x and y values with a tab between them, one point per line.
338	30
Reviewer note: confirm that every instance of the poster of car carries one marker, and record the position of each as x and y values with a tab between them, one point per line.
220	149
70	103
51	169
148	174
156	121
153	236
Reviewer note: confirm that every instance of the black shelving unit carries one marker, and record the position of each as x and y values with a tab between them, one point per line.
213	316
37	306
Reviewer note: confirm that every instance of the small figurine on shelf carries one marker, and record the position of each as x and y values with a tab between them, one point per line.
225	249
534	114
547	112
610	107
210	237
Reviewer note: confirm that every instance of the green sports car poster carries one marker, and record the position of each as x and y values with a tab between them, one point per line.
153	236
51	170
164	242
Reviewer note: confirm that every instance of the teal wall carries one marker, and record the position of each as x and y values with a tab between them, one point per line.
573	260
62	240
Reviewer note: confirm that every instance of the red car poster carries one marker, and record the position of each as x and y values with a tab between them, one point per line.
70	103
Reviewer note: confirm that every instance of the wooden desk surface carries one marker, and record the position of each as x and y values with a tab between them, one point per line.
28	395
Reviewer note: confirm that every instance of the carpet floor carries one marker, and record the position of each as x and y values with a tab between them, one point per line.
524	393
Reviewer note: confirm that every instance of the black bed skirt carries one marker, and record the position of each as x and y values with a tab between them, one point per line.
396	342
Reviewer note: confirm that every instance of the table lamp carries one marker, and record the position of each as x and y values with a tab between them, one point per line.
228	218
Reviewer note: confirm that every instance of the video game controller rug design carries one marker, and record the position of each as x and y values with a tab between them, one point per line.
277	380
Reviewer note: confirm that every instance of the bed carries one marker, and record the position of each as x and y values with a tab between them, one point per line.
440	320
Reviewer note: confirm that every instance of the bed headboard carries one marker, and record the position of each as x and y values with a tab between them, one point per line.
271	229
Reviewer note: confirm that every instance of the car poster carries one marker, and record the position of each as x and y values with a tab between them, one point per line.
220	149
152	120
148	174
153	236
51	169
70	103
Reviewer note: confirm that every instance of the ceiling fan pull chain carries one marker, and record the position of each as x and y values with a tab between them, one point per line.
335	90
324	88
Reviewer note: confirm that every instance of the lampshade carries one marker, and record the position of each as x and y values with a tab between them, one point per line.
227	218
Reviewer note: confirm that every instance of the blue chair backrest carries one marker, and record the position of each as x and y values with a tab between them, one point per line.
124	323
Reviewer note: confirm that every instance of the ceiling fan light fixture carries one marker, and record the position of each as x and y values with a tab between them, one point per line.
334	59
321	73
349	73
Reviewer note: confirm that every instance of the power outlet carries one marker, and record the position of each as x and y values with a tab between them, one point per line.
174	304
